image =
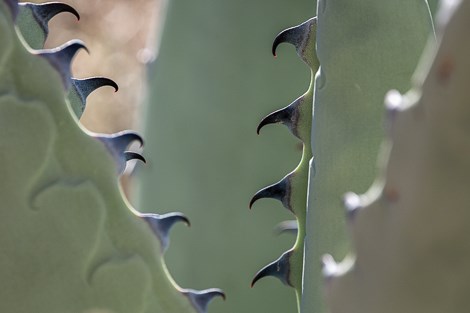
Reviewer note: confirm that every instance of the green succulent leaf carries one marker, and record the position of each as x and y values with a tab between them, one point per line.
292	189
410	229
364	48
70	241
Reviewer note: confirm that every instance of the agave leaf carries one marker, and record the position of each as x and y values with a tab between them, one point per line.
398	259
364	49
67	233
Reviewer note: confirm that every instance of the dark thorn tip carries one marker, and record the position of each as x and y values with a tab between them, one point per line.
46	11
130	155
289	35
86	86
276	43
293	35
176	217
285	116
279	269
278	191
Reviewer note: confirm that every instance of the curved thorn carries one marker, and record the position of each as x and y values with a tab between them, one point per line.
288	116
50	9
44	12
352	203
61	58
117	145
279	191
279	269
287	227
296	36
161	225
280	116
13	5
86	86
200	299
130	155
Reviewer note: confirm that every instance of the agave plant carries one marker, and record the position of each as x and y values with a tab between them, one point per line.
72	243
409	230
365	48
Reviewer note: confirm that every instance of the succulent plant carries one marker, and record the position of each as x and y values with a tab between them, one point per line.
356	42
364	48
71	242
409	230
292	189
354	66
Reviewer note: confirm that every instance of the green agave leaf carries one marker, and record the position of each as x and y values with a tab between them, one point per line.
292	189
411	228
364	49
433	5
33	22
70	241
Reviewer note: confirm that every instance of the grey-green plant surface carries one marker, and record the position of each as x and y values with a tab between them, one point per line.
292	189
364	48
70	242
433	6
410	230
213	81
